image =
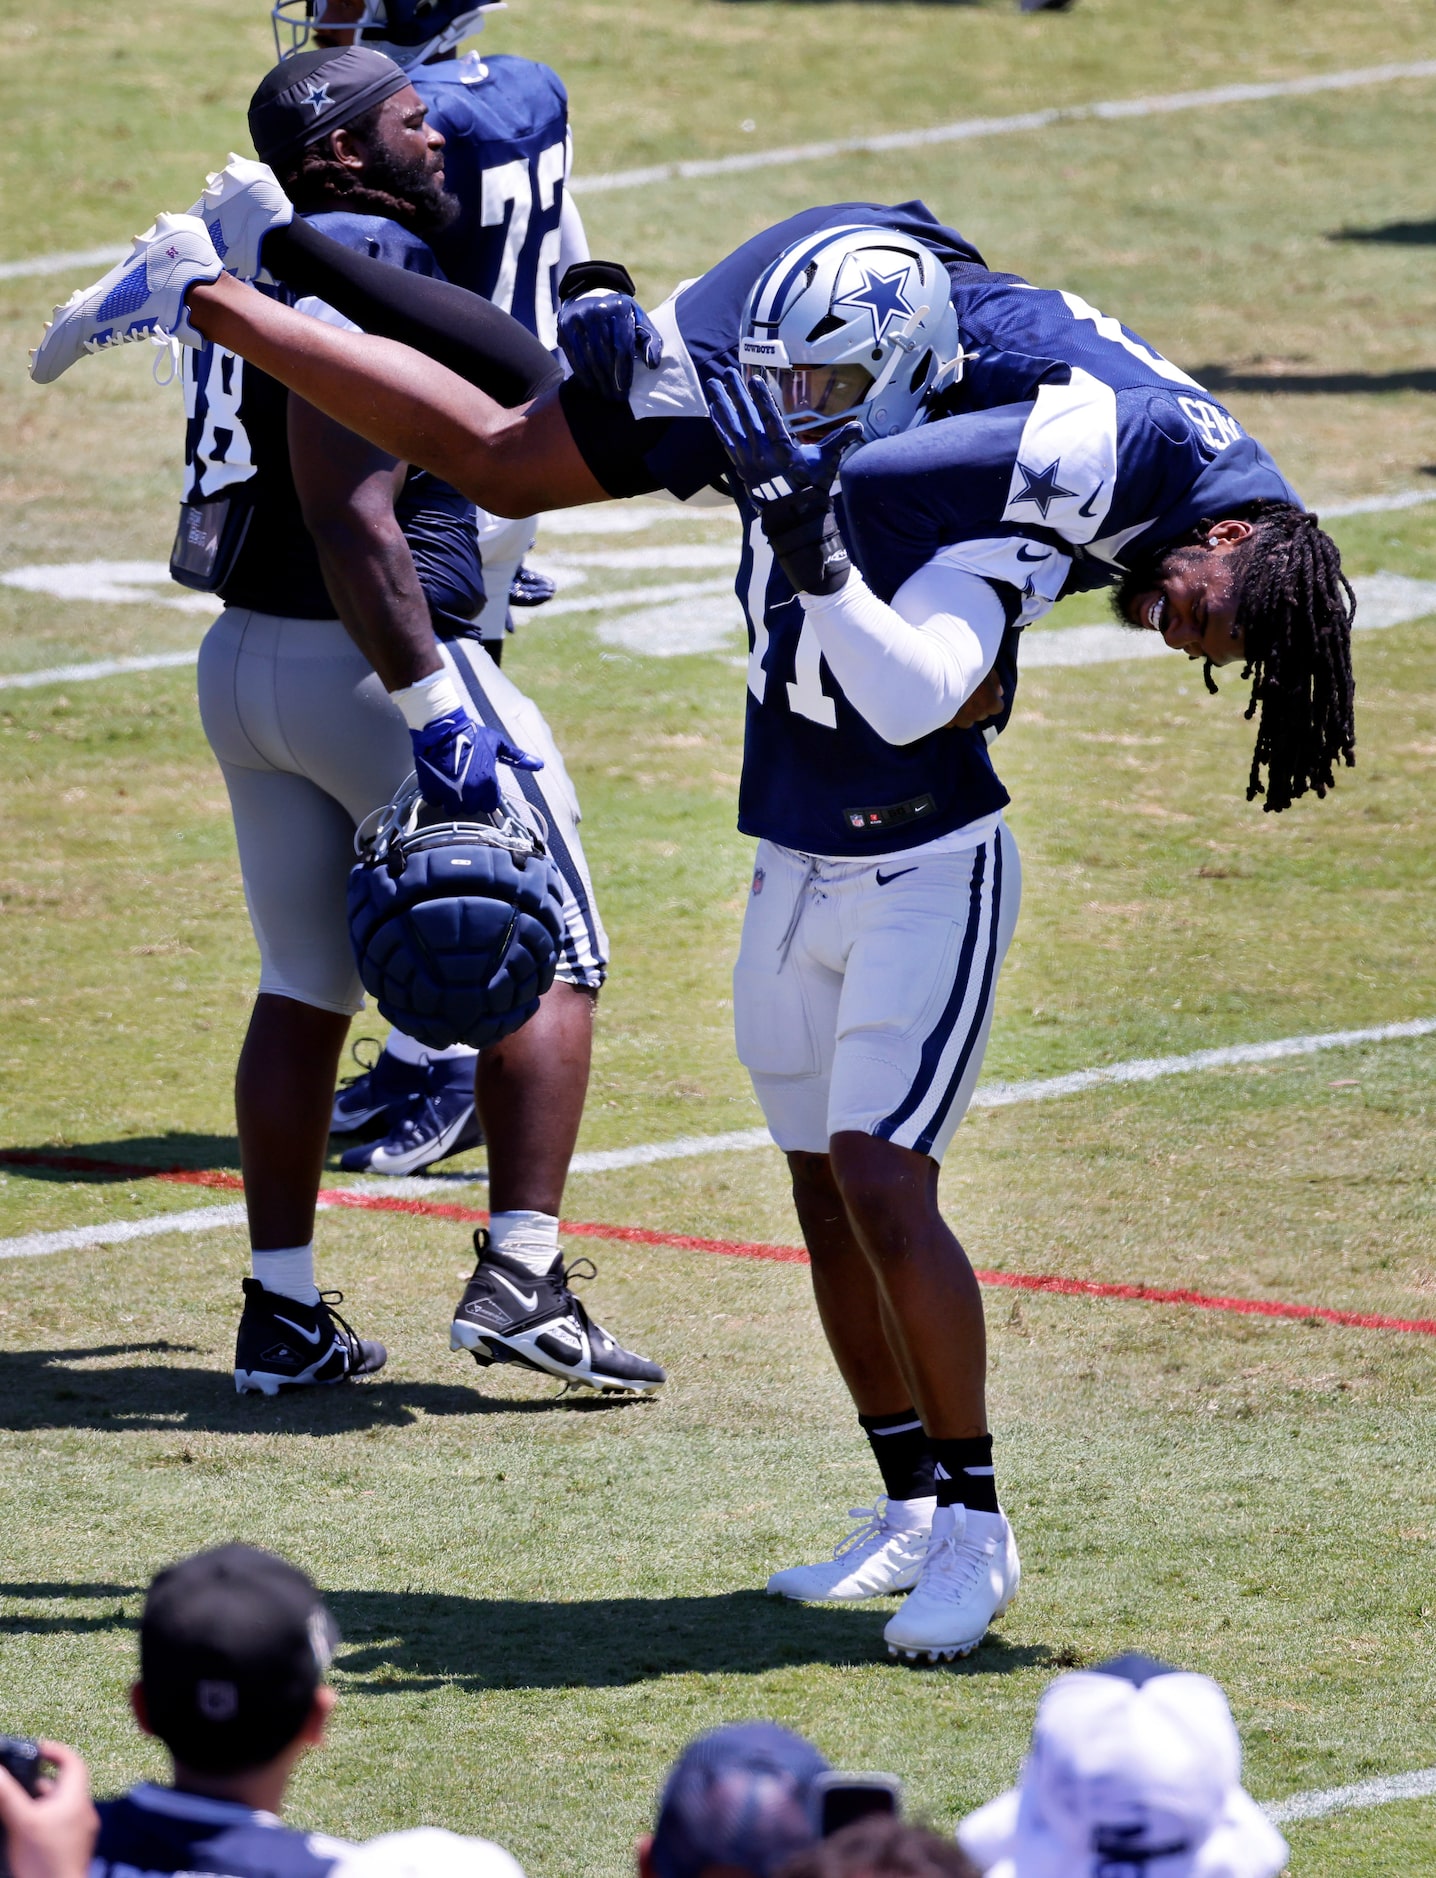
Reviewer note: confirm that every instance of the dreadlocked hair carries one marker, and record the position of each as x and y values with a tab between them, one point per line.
314	179
1295	608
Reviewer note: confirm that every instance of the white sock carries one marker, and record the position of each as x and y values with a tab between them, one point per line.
529	1239
404	1050
288	1271
912	1515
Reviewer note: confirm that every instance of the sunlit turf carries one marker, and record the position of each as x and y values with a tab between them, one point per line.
543	1601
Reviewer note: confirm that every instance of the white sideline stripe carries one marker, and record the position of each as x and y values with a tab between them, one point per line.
1420	1784
1386	600
609	1160
964	131
968	129
102	668
1379	505
200	1219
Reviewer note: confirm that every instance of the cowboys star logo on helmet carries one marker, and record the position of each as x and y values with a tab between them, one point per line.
853	323
880	294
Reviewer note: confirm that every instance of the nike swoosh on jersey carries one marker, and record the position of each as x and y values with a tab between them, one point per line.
1023	555
1087	508
309	1336
528	1299
883	878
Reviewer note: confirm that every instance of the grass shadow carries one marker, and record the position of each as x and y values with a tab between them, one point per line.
111	1162
1396	234
1221	378
397	1642
42	1389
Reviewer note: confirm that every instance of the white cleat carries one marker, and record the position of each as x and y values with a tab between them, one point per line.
240	205
970	1576
142	297
879	1558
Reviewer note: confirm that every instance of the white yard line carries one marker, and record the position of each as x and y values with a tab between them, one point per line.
966	130
101	668
994	1095
969	129
1418	1785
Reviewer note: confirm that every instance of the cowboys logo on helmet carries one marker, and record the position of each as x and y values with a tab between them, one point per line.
409	31
853	323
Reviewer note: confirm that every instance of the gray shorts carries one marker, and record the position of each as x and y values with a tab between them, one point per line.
309	744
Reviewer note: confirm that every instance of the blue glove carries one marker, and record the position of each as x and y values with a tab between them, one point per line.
456	762
601	336
789	483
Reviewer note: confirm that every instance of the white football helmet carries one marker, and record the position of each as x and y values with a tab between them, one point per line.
409	31
853	323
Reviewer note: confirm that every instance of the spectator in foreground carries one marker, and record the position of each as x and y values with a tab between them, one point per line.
234	1644
882	1847
51	1834
738	1803
1134	1767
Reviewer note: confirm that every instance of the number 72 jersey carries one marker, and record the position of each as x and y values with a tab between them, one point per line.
505	127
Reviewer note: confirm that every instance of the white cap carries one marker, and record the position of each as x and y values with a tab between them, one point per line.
427	1852
1134	1772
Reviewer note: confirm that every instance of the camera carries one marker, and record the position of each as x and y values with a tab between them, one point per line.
20	1757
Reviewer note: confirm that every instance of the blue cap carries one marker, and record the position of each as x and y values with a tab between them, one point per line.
741	1796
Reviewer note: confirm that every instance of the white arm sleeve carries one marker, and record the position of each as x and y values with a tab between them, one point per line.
909	667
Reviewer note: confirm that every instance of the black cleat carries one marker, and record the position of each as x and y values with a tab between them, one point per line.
283	1344
506	1315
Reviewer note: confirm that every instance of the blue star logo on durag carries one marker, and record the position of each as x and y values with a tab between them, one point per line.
1040	487
881	296
317	95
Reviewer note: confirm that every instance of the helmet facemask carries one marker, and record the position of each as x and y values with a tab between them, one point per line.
408	31
855	324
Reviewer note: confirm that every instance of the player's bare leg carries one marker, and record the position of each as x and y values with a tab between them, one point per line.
283	1091
530	1091
886	1552
851	1305
512	462
934	1305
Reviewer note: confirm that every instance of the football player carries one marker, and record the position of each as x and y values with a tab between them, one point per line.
514	232
1017	444
292	518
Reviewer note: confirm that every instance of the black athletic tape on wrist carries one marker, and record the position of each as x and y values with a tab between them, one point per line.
591	276
802	531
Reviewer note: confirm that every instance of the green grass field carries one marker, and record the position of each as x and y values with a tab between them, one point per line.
542	1601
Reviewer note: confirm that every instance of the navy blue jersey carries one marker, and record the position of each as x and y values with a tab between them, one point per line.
505	127
237	445
155	1830
1068	448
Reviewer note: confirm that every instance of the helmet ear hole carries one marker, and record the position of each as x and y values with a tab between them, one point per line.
919	377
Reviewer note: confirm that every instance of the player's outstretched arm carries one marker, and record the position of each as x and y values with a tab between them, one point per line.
513	462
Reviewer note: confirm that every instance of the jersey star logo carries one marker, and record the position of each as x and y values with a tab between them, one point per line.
317	96
1040	487
882	297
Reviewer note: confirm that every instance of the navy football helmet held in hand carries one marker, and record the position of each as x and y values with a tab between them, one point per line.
456	926
409	31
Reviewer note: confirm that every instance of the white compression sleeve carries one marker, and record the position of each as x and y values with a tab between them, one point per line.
909	667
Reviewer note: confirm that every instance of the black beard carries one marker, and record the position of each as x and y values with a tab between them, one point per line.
409	193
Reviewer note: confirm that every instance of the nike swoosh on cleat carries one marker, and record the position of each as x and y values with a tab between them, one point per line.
527	1299
1086	508
883	879
309	1336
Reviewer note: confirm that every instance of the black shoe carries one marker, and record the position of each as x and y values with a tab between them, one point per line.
530	589
507	1315
436	1120
283	1344
367	1100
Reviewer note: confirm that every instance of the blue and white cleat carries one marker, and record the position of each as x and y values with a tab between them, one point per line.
240	205
140	298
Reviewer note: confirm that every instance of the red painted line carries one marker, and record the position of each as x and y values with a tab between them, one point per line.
731	1248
